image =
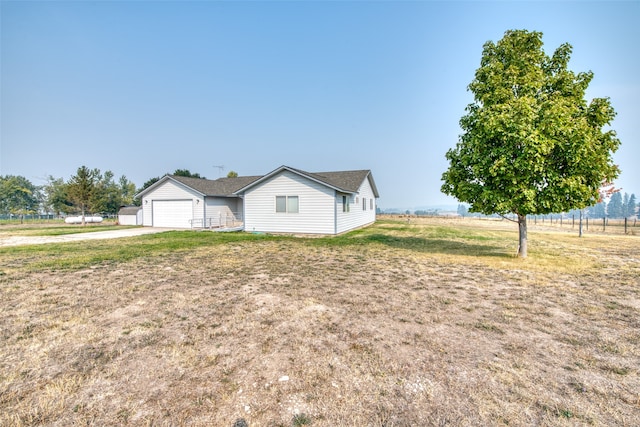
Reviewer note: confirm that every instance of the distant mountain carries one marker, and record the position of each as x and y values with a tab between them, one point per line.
447	208
428	208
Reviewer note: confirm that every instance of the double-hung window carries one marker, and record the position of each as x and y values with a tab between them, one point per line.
345	203
287	204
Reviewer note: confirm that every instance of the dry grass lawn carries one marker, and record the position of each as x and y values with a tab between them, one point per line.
425	323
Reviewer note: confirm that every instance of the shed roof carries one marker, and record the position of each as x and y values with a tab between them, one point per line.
129	210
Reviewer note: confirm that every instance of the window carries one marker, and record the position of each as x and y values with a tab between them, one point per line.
287	204
364	203
292	204
371	204
345	203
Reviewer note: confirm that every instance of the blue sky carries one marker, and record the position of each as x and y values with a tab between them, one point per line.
143	88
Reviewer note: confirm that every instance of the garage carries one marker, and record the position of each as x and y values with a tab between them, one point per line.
172	213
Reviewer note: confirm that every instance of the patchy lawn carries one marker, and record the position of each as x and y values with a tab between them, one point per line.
54	228
431	322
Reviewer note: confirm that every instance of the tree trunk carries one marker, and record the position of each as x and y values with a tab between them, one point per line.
522	241
580	226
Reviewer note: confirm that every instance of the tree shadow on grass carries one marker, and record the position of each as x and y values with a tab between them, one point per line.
436	246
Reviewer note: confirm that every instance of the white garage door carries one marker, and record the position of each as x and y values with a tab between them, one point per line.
172	213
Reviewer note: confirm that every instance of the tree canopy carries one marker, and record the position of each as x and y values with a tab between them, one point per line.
187	173
89	191
631	206
531	144
56	199
18	196
81	190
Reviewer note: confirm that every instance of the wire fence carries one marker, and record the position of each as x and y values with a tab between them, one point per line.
589	225
567	222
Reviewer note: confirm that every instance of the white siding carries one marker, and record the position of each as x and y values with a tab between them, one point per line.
170	190
222	211
316	214
127	220
356	217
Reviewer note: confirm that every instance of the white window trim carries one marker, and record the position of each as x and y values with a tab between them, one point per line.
287	206
345	203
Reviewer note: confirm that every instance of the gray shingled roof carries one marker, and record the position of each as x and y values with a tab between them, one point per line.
346	181
129	210
218	187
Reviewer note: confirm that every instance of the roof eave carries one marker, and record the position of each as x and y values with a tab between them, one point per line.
372	183
152	186
165	178
295	171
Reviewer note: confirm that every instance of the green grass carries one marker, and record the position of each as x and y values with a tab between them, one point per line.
78	255
59	230
493	246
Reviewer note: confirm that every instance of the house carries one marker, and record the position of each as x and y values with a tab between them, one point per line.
286	200
181	202
130	215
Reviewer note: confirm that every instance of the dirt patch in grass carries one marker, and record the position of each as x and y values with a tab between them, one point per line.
396	325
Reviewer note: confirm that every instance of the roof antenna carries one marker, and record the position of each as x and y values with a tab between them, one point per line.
220	169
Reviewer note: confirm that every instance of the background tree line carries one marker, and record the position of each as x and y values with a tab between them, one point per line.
619	206
89	191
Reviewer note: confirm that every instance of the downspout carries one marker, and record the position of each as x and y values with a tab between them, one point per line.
335	212
204	211
240	205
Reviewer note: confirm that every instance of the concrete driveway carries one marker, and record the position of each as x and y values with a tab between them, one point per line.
110	234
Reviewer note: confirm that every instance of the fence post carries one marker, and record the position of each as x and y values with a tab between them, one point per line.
604	223
625	225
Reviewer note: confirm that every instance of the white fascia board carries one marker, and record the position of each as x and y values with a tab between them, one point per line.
163	180
295	171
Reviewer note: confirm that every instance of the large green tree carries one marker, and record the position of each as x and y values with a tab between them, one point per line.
531	144
127	190
18	196
55	196
81	190
110	195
